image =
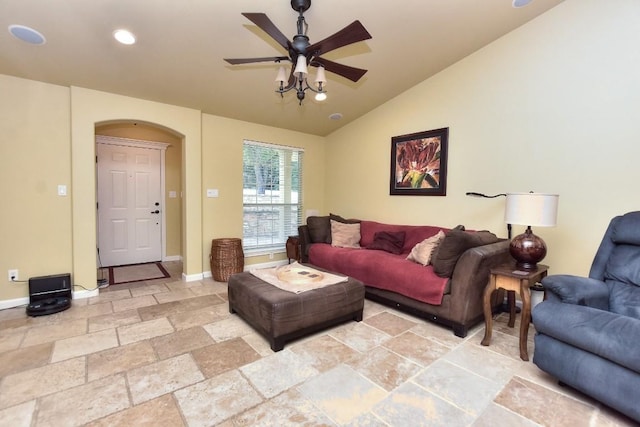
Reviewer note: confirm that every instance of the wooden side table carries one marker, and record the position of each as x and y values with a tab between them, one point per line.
293	248
509	278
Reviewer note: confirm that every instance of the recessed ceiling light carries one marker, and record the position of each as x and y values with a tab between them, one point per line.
521	3
124	36
27	34
336	116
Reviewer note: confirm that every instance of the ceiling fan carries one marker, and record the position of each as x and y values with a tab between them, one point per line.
302	53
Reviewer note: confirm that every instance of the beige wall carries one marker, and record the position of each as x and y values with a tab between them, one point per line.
222	169
35	223
173	173
550	107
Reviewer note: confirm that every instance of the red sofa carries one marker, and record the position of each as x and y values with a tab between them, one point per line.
454	300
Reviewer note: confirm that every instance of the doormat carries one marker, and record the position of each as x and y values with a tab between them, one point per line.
136	273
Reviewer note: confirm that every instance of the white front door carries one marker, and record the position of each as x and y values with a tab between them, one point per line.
129	205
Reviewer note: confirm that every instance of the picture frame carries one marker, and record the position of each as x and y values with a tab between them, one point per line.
419	163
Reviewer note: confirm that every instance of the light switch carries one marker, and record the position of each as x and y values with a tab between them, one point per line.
62	190
173	194
212	192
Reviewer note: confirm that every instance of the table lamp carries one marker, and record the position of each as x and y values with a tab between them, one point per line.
530	209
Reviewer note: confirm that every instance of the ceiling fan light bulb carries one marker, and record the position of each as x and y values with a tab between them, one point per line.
321	96
320	76
301	67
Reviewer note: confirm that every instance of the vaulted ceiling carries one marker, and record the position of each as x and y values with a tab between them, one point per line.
178	57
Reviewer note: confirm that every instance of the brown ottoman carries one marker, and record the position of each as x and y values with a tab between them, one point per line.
282	316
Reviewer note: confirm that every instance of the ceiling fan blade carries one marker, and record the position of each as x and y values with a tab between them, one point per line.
237	61
351	73
352	33
262	21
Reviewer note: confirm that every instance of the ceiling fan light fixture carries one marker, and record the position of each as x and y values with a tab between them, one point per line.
302	53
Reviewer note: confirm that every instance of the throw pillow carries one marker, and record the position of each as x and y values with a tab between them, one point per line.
421	253
388	241
345	235
434	254
454	244
319	229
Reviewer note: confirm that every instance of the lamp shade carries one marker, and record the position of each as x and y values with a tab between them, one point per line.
301	66
531	209
282	76
320	76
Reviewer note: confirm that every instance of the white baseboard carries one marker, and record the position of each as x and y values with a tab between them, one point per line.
17	302
11	303
192	277
172	258
86	294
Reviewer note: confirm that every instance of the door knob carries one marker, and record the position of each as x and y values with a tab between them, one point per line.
155	212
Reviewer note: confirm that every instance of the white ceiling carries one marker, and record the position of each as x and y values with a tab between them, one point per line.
178	58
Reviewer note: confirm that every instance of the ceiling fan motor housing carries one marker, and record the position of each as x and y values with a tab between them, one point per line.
300	44
300	5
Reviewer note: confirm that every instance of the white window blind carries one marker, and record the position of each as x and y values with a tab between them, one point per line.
271	195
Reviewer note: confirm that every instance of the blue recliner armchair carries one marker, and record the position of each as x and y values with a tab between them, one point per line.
588	329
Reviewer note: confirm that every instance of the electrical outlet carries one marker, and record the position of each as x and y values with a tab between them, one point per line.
271	255
13	275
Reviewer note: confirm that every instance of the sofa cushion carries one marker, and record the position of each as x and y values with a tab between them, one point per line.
382	270
388	241
421	253
345	235
319	229
454	244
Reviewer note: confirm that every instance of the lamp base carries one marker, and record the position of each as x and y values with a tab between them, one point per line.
528	250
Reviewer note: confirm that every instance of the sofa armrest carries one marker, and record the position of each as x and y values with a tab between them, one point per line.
304	239
577	290
470	277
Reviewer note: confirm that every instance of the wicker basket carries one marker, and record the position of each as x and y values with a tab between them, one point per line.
226	258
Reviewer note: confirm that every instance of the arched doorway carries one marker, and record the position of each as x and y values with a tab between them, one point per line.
134	138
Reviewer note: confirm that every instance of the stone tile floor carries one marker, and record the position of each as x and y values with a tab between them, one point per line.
168	353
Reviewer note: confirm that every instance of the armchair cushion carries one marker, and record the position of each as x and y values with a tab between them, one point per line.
624	299
600	332
624	265
627	230
577	290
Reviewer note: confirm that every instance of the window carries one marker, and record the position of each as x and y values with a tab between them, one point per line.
271	195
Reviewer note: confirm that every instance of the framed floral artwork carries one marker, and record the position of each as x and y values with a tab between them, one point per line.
419	163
